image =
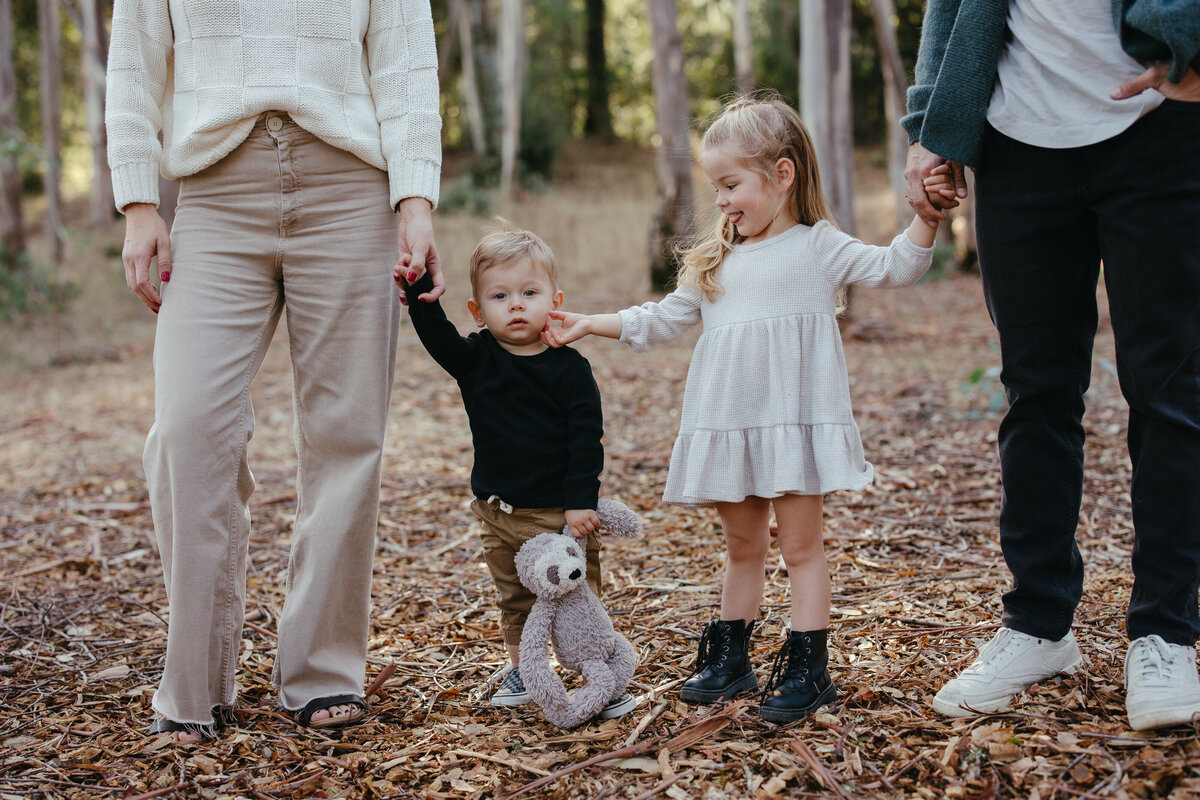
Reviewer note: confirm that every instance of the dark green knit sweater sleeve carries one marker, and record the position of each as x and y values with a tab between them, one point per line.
935	33
1166	31
956	73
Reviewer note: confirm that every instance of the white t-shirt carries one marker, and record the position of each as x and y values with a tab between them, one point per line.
1056	72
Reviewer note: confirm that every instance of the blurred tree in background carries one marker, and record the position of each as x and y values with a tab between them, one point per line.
557	76
586	67
557	81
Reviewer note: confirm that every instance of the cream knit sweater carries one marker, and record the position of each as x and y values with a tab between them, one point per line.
359	74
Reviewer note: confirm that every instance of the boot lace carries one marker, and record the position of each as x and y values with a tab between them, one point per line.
710	650
790	662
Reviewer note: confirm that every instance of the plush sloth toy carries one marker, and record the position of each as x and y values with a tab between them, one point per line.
554	567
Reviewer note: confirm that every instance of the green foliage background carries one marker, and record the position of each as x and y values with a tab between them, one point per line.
555	85
554	101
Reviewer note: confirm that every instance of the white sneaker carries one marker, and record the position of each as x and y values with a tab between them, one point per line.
1161	687
619	706
512	691
1010	663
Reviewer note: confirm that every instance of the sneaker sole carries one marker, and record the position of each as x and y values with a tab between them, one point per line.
771	714
1163	717
949	709
619	710
708	697
511	701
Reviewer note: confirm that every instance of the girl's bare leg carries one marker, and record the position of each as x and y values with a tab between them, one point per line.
747	538
800	541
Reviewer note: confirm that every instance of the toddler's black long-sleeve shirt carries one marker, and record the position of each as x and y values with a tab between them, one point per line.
536	421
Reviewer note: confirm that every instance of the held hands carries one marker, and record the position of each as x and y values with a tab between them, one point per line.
941	183
417	249
146	238
931	207
936	184
582	521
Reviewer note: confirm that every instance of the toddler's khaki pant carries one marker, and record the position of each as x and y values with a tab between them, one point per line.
503	532
284	222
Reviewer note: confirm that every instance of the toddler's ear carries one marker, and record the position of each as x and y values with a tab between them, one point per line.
476	312
558	299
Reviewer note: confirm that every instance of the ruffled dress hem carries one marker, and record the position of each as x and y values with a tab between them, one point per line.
709	466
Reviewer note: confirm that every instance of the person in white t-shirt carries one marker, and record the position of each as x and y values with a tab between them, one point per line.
1081	121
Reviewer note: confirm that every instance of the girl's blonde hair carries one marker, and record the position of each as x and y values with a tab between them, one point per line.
759	130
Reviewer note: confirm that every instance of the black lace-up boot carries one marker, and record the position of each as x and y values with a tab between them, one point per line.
722	663
799	682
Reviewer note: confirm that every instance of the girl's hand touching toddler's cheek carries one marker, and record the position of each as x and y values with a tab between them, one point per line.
567	332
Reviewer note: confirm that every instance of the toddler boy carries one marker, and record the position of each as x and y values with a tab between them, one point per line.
535	417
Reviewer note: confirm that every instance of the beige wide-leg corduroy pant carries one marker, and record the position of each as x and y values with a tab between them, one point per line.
288	223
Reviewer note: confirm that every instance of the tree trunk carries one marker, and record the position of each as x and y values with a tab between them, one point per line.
825	99
743	46
445	48
599	121
469	81
95	62
673	160
512	49
893	105
49	27
12	232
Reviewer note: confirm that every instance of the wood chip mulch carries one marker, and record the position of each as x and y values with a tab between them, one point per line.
916	567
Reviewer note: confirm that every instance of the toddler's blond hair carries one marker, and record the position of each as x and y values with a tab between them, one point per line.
506	244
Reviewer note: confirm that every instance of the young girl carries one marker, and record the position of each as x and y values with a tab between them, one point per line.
766	421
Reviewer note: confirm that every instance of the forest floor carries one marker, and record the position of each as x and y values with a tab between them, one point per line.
914	558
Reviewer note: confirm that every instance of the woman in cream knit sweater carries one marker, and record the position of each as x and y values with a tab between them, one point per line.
307	139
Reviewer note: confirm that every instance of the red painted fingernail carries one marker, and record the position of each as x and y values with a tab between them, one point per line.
412	276
166	276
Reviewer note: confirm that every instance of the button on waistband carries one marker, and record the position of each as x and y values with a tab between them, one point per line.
274	123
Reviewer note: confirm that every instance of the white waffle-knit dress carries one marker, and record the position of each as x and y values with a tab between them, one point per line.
766	410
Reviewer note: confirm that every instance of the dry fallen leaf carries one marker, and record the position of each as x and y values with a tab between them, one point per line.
915	563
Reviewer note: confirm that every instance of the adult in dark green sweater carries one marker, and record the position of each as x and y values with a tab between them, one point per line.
1082	123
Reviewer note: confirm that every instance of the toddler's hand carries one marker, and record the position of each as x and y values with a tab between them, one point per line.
940	182
400	275
573	328
422	287
582	521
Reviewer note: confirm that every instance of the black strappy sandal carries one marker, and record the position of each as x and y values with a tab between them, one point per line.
222	717
304	715
164	725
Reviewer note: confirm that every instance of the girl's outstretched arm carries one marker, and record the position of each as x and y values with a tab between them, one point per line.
577	326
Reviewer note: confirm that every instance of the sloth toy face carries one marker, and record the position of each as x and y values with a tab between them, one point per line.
551	564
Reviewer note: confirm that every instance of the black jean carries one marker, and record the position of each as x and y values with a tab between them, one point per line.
1046	220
